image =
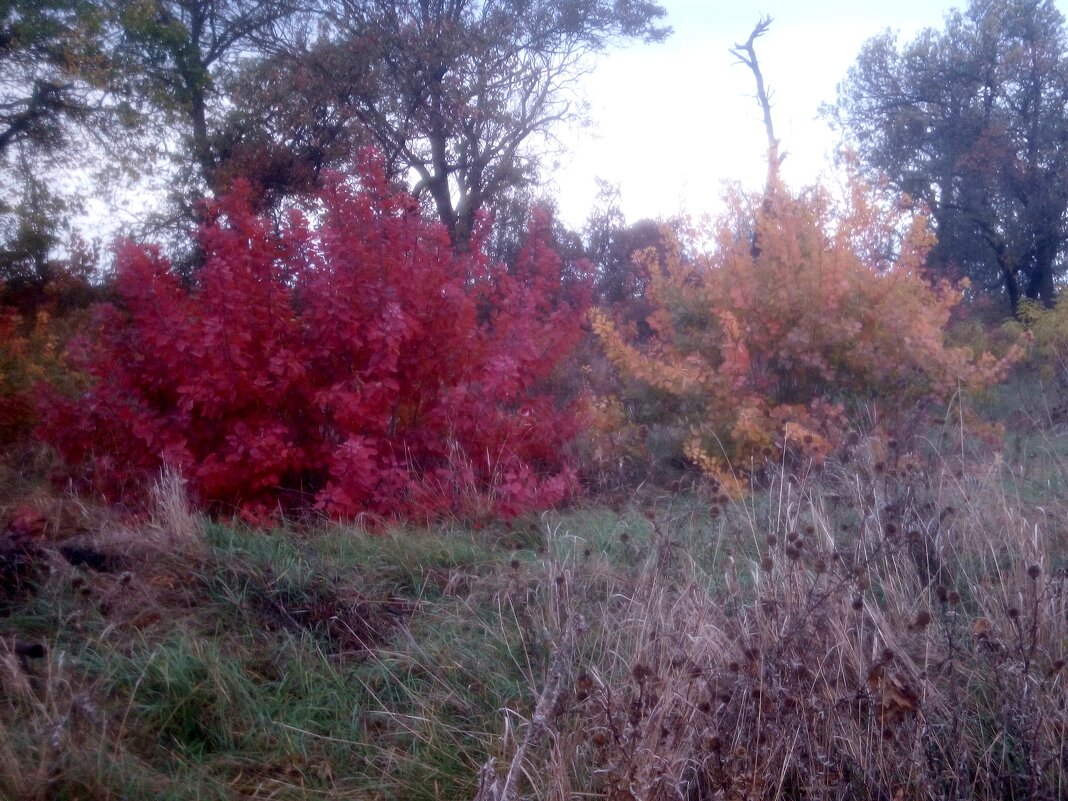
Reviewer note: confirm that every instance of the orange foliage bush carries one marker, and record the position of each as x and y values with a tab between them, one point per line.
30	351
37	319
798	307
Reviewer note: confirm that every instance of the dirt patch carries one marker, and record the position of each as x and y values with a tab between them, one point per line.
346	620
142	582
25	565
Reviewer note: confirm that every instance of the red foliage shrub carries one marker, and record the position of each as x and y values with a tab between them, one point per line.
357	361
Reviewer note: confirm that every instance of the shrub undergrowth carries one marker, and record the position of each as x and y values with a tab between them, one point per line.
357	364
798	309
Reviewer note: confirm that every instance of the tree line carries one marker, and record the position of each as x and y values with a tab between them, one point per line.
461	97
452	92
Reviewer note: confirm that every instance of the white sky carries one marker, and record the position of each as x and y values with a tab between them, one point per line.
675	120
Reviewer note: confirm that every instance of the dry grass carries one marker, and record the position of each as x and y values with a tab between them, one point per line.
894	627
890	630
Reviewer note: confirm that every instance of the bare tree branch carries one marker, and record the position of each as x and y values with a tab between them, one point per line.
746	54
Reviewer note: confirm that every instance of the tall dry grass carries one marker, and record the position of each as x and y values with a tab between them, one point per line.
895	628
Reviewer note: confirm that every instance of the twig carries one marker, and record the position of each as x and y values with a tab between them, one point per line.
490	787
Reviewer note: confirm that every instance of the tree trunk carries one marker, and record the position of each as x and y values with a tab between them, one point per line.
202	149
1040	281
1012	289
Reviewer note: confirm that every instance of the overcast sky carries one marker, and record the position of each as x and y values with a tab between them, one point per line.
675	120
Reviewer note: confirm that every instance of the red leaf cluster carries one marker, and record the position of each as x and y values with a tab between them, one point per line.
355	362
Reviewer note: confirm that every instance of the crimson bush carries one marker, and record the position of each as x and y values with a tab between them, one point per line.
355	362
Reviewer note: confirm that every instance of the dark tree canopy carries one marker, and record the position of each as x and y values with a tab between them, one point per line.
51	65
283	126
461	96
54	71
971	121
92	72
177	56
456	91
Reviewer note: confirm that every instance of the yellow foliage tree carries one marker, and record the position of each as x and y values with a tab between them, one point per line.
1049	329
798	306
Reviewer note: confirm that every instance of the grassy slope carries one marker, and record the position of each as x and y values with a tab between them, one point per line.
873	632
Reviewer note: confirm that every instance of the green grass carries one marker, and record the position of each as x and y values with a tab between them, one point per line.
332	663
283	665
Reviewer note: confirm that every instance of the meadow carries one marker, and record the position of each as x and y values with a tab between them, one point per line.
891	625
322	486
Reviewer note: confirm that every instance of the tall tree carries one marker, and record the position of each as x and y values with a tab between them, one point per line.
51	66
177	54
455	92
31	228
54	71
621	275
971	121
284	125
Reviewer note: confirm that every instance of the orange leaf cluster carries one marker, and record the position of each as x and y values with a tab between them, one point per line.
799	307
